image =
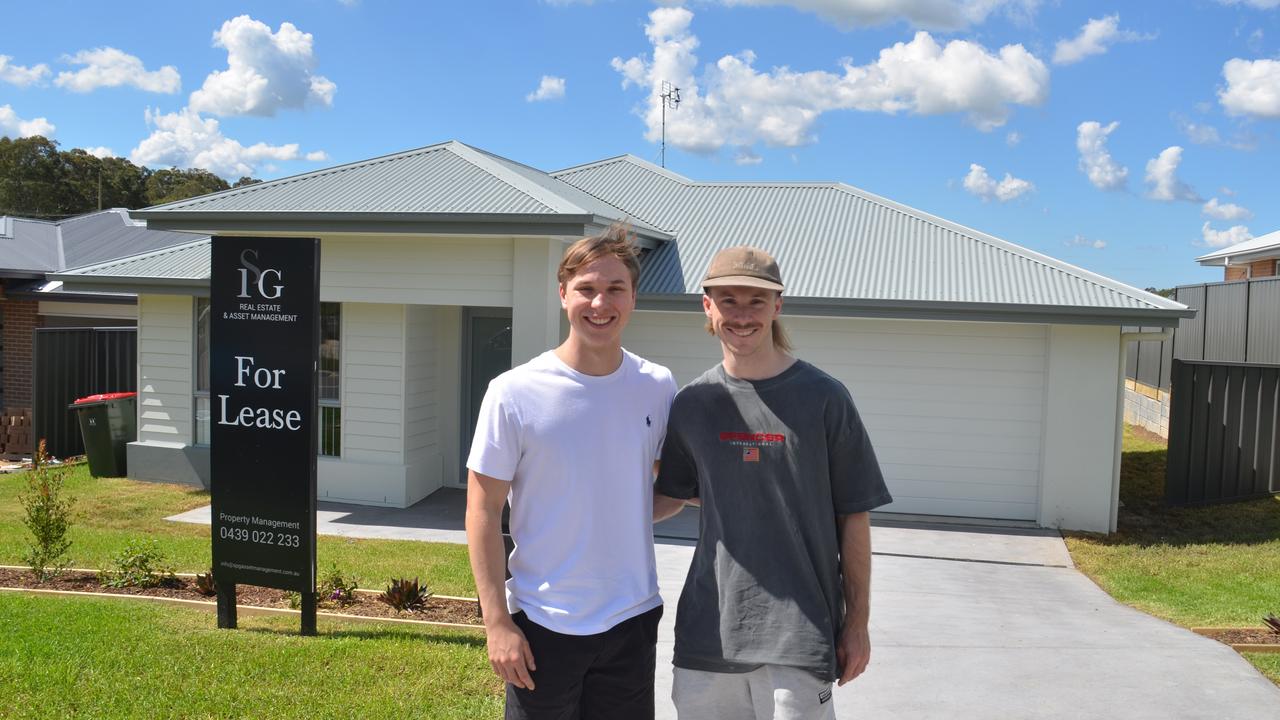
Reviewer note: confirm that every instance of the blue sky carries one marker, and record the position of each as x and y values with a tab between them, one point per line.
1127	138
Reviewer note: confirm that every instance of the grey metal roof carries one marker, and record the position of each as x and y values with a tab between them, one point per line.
83	240
1258	248
184	265
841	247
450	179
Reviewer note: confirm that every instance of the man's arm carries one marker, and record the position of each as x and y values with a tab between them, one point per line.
665	507
853	649
509	652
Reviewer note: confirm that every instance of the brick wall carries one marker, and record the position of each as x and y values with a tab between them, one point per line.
20	321
1147	407
1258	269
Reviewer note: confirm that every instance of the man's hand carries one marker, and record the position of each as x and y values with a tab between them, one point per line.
509	653
853	650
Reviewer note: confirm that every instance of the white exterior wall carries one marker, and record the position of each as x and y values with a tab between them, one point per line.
417	271
166	376
422	402
115	311
1081	481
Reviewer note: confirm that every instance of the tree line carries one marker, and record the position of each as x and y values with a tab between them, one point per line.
37	180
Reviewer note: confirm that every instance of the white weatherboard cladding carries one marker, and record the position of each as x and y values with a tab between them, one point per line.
165	376
422	402
955	410
423	271
119	311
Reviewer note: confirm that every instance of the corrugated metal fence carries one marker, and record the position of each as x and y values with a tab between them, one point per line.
71	363
1236	322
1224	432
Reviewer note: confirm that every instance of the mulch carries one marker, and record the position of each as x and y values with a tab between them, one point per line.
1242	636
365	604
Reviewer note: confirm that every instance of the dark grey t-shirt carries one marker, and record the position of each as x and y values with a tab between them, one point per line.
775	462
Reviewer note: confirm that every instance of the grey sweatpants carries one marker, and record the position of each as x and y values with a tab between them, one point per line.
770	692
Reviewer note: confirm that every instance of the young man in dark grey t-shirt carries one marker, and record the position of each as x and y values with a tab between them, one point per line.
776	604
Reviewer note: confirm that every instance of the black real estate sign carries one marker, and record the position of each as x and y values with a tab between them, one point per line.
264	346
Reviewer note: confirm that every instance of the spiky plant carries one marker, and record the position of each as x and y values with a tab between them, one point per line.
404	594
1272	622
205	584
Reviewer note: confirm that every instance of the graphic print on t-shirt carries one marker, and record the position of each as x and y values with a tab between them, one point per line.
751	442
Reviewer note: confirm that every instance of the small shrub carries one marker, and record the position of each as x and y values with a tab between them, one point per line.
1272	622
295	599
405	595
47	515
333	585
139	564
205	584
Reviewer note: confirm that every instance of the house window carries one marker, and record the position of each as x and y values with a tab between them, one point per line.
330	426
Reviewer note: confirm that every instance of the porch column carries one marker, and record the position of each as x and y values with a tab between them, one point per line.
535	302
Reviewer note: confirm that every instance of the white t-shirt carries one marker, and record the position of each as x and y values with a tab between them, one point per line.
579	452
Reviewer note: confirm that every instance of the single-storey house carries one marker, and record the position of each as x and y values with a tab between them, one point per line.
990	376
1249	260
30	251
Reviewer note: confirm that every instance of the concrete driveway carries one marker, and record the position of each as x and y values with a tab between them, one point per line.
968	622
995	624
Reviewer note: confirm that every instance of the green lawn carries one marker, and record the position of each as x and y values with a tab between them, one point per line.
1194	566
108	658
97	658
111	511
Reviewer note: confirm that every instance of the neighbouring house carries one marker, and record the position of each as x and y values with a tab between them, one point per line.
30	252
1256	258
990	376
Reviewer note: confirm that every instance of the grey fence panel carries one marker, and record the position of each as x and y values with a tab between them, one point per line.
1222	432
1190	332
1149	356
1224	322
1166	362
1264	321
1131	354
70	363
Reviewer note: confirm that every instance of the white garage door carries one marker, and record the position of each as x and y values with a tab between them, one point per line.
955	410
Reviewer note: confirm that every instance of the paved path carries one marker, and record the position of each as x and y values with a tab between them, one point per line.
968	623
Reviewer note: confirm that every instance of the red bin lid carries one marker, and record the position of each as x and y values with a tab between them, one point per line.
103	397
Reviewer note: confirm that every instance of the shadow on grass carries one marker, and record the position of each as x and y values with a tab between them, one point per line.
461	637
1144	519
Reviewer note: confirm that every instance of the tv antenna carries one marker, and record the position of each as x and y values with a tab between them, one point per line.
670	98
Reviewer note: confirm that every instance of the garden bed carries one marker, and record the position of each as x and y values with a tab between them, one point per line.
438	609
1243	639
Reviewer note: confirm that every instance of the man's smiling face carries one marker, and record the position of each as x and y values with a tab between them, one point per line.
742	317
599	300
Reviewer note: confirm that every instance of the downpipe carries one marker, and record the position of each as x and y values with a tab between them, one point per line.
1126	338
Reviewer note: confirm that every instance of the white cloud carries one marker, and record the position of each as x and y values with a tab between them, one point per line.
109	67
317	156
14	126
20	75
1082	241
549	88
101	152
1227	191
1225	211
1162	177
1225	238
184	139
735	104
745	156
979	183
1209	135
1013	138
1253	88
266	72
1259	4
1095	161
933	14
1095	38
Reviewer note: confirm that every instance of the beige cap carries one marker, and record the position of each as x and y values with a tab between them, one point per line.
747	266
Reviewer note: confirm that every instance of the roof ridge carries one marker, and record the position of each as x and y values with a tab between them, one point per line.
1004	245
638	162
255	187
503	173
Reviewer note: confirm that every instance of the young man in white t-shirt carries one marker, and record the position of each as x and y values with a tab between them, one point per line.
571	438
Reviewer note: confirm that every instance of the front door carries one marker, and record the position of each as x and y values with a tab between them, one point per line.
487	344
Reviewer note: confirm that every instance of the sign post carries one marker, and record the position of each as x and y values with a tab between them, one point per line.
264	349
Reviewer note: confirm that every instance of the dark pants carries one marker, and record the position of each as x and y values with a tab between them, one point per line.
607	676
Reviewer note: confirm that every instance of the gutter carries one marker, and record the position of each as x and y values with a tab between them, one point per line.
1125	339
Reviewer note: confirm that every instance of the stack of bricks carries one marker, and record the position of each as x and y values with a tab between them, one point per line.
1147	407
16	434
